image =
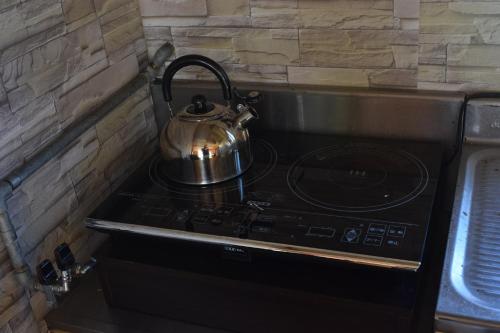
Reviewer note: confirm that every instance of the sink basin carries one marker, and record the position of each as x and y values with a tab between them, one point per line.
470	285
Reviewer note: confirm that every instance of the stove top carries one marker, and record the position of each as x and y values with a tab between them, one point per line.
364	201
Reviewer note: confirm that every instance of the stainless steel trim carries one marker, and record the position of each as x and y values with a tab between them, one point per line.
483	122
276	247
391	114
470	323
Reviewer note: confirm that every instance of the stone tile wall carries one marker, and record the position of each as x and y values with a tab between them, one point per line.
58	60
433	44
368	43
459	45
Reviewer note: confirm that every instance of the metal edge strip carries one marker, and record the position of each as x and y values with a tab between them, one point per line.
461	320
275	247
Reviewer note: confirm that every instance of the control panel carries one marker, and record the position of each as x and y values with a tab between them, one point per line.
257	225
305	229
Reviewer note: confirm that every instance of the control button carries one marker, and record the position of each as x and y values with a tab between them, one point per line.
207	210
200	219
262	226
215	220
393	242
265	218
182	216
373	240
396	231
225	211
320	232
377	229
351	235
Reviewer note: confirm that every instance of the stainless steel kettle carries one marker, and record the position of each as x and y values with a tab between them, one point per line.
205	143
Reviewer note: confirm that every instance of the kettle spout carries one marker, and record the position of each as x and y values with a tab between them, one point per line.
245	115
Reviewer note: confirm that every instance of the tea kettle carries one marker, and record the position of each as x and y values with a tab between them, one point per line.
206	143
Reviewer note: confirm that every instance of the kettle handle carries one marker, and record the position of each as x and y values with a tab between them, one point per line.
196	60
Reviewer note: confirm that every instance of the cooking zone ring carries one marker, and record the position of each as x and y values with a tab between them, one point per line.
265	151
295	174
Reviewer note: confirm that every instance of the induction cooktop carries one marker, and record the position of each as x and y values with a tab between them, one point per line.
359	200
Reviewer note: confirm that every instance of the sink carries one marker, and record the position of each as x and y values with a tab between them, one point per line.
470	284
475	269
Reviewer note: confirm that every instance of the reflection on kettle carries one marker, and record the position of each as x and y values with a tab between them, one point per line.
216	195
205	143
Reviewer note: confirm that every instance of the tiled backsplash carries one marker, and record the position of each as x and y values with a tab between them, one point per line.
459	45
59	59
340	42
365	43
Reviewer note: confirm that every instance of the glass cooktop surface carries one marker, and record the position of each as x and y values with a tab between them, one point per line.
357	199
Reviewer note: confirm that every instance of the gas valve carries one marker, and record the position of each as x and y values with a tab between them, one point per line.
47	274
48	277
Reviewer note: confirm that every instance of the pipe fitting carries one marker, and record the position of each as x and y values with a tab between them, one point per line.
81	269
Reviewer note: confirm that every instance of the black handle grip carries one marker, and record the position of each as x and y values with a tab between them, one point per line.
64	257
195	60
47	274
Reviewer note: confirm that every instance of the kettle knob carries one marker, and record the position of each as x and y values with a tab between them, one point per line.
199	103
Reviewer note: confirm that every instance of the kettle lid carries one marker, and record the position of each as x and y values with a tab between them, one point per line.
200	109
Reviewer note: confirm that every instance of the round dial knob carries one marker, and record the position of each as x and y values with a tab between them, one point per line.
351	235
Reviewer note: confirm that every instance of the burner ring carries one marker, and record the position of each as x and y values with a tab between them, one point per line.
294	176
235	184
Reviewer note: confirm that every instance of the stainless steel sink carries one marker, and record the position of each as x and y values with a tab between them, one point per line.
469	298
476	261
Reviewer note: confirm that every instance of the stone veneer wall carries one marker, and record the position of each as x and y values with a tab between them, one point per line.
459	45
58	60
328	42
436	44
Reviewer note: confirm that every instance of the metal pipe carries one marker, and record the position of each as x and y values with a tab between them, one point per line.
9	238
17	176
82	269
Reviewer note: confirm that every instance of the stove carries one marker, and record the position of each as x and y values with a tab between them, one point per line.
361	201
330	231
